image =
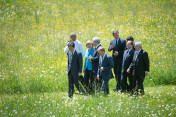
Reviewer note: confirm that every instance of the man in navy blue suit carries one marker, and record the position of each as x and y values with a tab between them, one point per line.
75	62
127	60
139	67
118	46
104	69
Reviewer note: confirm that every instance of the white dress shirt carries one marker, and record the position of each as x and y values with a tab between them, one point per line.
78	46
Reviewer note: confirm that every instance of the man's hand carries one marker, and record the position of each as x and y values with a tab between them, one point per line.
101	68
116	53
128	70
98	77
111	46
89	59
79	74
146	73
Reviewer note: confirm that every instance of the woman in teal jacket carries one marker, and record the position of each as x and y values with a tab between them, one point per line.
88	74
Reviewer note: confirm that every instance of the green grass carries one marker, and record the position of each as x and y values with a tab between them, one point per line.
33	65
158	101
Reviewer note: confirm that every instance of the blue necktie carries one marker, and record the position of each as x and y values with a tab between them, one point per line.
137	54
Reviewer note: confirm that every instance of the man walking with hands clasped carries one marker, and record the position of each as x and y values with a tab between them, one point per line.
104	69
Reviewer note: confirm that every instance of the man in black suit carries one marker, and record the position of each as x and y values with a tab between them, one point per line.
104	69
139	67
118	46
127	60
74	68
95	62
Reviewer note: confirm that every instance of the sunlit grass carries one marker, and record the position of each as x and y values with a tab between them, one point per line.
158	101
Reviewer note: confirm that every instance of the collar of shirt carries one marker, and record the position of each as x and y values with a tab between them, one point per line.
117	39
139	51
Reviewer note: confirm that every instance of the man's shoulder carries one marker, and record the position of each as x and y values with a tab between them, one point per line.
108	56
123	40
79	54
113	40
144	52
78	42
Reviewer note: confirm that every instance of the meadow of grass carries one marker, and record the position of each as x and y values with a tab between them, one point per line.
158	101
33	34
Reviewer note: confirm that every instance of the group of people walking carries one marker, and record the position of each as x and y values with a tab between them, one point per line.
128	60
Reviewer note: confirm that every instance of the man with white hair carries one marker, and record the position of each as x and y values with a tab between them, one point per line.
95	61
139	67
78	46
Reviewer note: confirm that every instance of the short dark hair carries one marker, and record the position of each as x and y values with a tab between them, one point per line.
115	32
71	43
129	38
101	49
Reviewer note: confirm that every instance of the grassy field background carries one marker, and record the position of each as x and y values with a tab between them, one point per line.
33	34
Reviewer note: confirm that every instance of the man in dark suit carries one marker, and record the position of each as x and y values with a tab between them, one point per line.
104	69
139	67
127	60
95	62
118	46
74	69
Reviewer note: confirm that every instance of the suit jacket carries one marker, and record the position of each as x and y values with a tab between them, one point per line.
107	65
127	59
76	63
120	47
140	64
95	60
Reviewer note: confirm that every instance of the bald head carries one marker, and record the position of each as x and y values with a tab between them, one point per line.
73	36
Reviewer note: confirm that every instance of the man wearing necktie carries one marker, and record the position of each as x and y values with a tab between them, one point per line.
139	67
74	69
117	45
104	69
127	59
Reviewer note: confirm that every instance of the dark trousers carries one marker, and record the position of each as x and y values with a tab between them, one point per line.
132	82
117	71
98	83
124	84
139	84
71	82
89	80
105	86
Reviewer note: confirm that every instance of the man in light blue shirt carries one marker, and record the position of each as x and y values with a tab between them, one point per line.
78	46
